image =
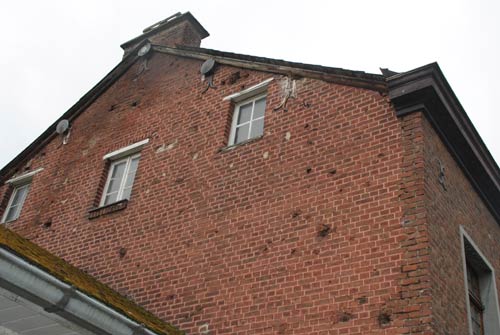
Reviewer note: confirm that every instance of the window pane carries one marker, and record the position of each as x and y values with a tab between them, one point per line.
245	113
257	128
19	194
11	214
110	198
130	179
260	108
126	193
114	185
241	133
118	170
133	165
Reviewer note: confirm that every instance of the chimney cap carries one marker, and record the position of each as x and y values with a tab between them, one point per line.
169	22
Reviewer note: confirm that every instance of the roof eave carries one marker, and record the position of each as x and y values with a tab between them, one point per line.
425	89
336	75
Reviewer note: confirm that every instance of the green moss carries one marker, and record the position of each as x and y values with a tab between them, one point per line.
82	281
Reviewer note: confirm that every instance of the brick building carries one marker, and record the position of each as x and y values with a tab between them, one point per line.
262	197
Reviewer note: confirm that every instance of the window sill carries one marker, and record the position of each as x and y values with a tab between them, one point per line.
234	146
108	209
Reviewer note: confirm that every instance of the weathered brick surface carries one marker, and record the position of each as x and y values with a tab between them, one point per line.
318	227
449	207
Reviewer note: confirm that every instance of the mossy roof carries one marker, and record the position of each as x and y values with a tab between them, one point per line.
85	283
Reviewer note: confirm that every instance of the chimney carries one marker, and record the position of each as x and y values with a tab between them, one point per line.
178	29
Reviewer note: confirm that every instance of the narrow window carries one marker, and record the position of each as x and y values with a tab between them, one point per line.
248	120
20	186
120	180
482	298
16	202
476	306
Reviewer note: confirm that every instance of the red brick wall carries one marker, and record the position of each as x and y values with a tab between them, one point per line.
231	241
449	207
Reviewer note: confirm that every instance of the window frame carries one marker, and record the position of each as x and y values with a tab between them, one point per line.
18	182
236	113
20	205
487	302
121	188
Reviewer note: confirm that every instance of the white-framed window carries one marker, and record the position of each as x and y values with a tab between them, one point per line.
120	179
248	119
16	202
21	185
481	292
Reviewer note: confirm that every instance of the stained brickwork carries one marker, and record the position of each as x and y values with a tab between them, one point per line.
450	205
331	223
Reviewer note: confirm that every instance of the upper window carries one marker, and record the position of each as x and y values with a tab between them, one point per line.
249	110
16	202
120	180
21	185
248	120
121	175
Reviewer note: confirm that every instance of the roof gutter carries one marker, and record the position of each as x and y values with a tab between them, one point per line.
55	296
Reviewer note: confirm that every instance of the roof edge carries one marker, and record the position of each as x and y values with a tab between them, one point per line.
73	112
340	76
37	263
426	89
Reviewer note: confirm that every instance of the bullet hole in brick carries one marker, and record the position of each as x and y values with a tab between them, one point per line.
242	87
340	190
135	103
384	319
234	77
112	108
296	214
223	82
332	171
310	142
122	252
306	104
324	231
309	170
171	297
42	154
345	316
380	155
293	251
362	300
265	248
47	225
306	126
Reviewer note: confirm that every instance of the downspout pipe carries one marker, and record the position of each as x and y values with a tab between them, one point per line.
55	296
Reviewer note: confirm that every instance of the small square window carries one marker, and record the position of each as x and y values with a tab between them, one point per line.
16	202
248	119
120	180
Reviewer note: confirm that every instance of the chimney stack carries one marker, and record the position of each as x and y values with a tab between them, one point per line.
178	29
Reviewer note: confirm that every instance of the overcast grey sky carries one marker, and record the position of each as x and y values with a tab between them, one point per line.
53	52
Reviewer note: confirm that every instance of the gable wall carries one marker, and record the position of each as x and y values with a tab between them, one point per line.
229	240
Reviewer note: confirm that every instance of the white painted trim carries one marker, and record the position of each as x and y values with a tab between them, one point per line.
463	237
128	161
247	93
126	151
23	178
236	113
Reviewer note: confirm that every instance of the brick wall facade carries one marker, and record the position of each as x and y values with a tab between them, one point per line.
325	225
